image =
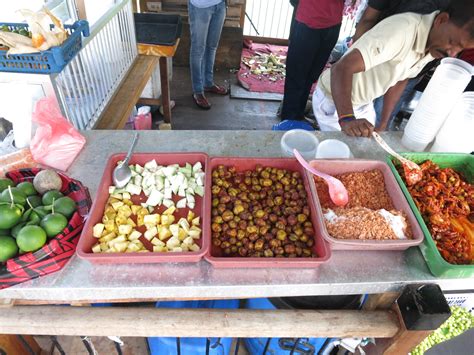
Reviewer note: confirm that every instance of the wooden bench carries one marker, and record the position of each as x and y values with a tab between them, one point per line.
120	107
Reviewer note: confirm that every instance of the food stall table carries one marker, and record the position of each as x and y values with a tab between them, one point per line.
383	274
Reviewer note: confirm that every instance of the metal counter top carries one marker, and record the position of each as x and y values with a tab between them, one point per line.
345	273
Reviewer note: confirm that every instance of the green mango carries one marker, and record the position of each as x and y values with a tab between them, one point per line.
19	196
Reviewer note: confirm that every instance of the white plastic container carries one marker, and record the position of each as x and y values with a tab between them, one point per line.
443	91
456	134
333	149
304	141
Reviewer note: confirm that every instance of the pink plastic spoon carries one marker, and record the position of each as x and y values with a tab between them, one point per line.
337	191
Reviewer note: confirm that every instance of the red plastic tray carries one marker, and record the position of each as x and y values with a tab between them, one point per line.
334	167
214	255
84	248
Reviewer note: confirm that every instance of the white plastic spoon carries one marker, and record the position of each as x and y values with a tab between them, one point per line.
337	191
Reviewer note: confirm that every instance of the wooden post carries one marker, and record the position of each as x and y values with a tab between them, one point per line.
168	322
165	89
242	13
81	9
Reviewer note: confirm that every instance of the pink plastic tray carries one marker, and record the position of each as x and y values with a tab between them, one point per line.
84	248
334	167
214	255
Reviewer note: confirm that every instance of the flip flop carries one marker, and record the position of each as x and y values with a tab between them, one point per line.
201	101
217	89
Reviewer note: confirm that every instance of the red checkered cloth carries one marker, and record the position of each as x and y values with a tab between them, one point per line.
55	254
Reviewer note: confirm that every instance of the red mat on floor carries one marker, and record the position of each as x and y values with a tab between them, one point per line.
260	83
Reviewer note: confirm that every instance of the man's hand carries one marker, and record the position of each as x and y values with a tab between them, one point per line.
357	128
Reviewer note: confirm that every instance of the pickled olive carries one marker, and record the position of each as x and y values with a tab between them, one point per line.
259	213
278	200
237	180
214	212
290	248
285	181
252	229
293	237
225	227
306	210
302	218
232	233
219	182
310	243
241	234
215	189
304	238
224	199
298	231
257	188
308	231
295	196
215	202
260	222
307	252
243	251
225	244
216	227
267	182
232	240
292	220
259	244
299	251
227	215
273	218
308	224
227	251
232	224
263	230
265	174
279	251
221	208
281	235
216	242
217	219
268	253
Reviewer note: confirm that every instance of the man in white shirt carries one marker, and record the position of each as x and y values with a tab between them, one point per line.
381	62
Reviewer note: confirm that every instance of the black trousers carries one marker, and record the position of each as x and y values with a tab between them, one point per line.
308	52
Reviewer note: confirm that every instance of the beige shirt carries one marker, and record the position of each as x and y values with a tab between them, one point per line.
393	50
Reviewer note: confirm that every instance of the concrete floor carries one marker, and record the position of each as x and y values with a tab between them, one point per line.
225	114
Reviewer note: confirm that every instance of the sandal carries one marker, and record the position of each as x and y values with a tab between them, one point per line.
217	89
201	101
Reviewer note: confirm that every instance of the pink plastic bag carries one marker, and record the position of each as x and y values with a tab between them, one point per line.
143	119
56	142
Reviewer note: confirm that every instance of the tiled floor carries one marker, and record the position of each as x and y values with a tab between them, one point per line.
225	114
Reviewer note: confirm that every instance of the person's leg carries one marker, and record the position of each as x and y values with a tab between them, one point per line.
324	45
302	48
199	20
214	33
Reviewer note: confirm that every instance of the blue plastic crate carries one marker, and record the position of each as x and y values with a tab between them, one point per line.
52	60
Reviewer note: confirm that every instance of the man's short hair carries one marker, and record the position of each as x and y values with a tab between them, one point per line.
461	13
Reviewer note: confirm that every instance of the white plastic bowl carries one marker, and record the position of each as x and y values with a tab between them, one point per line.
304	141
333	149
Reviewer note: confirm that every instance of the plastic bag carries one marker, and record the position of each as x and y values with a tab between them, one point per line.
287	125
143	119
56	142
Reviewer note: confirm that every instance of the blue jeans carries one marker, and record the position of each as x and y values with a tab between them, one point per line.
206	27
405	98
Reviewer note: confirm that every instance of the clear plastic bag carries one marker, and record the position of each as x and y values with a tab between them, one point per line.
56	142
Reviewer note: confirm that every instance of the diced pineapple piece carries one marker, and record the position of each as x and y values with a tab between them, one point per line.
135	209
109	225
128	202
196	221
190	216
184	224
121	247
156	241
97	230
174	229
117	204
126	196
134	235
125	229
158	248
153	219
184	247
117	196
164	233
182	234
131	222
167	219
107	237
104	246
120	219
150	233
194	247
140	221
177	250
194	234
173	242
143	251
111	189
96	248
109	209
142	212
188	241
125	210
170	210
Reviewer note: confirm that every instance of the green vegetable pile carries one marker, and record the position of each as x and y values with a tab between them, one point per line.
460	321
